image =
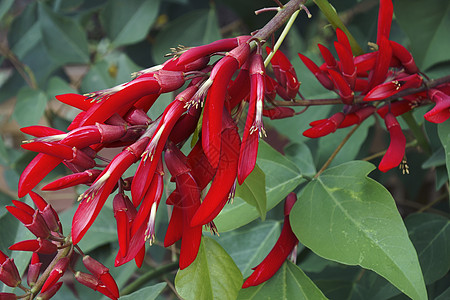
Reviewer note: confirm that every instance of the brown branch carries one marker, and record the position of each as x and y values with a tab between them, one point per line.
359	99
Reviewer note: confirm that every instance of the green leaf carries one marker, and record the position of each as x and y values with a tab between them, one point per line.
253	191
128	22
347	217
288	283
30	106
282	176
97	78
430	235
102	231
213	275
5	5
4	157
436	159
147	293
57	86
302	157
427	27
64	38
444	136
249	245
445	295
191	29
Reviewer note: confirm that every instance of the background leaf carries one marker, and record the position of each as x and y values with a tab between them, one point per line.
347	217
128	22
253	191
288	283
248	245
30	106
102	231
62	32
192	29
213	275
427	27
146	293
430	235
282	176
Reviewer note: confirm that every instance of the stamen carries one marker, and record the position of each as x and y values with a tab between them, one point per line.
404	167
200	95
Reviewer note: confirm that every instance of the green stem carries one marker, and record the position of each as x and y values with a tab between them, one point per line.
417	131
332	16
281	38
336	151
148	276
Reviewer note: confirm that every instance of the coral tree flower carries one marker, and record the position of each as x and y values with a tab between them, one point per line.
285	244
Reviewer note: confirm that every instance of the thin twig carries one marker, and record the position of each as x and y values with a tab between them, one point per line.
336	151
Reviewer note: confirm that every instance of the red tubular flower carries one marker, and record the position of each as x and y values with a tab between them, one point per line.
278	112
382	63
71	155
153	151
37	246
254	128
175	228
75	100
225	175
212	113
56	273
41	131
324	127
8	296
343	40
33	270
35	223
405	57
396	108
385	14
123	225
85	177
396	150
347	65
96	195
48	213
330	61
223	45
9	274
321	76
440	112
102	273
344	89
93	283
281	250
50	292
190	201
150	203
390	88
35	171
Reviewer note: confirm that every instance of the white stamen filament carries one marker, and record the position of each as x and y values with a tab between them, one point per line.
198	97
150	151
95	187
150	231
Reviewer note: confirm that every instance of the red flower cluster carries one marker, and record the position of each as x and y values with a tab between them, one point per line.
374	76
44	223
117	118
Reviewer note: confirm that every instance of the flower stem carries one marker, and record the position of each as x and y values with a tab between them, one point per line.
336	151
281	38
